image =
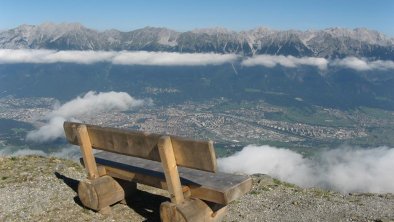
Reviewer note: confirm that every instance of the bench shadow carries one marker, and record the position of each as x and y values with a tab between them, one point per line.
146	204
143	203
73	184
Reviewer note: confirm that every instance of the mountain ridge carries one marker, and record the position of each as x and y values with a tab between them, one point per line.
327	43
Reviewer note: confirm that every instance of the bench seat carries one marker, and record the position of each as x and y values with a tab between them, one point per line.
221	188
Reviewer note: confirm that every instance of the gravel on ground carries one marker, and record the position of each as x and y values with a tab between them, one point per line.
34	188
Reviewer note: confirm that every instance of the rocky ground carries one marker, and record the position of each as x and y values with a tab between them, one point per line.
43	189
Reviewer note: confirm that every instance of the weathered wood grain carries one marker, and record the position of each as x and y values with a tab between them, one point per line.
100	193
188	153
170	170
221	188
87	152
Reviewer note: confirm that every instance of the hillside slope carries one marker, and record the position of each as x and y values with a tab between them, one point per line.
43	189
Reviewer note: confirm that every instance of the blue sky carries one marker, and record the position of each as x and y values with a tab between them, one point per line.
186	15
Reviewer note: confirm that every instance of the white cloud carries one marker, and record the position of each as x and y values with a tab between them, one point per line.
90	104
172	58
9	56
82	57
286	61
48	132
359	64
382	64
344	169
363	64
353	63
51	56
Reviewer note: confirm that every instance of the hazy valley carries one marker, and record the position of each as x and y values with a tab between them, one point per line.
315	93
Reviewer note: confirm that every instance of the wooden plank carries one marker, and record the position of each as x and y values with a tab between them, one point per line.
170	170
221	188
87	152
188	153
194	153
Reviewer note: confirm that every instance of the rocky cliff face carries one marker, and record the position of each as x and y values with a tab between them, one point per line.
328	43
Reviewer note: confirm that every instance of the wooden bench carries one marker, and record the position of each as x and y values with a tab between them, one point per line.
186	168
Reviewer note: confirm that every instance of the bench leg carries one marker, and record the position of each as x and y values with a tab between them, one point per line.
191	210
98	194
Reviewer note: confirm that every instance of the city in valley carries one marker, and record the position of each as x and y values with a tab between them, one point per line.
231	125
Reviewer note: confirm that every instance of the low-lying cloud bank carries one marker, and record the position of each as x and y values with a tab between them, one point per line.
363	64
358	64
344	169
172	58
90	104
286	61
12	56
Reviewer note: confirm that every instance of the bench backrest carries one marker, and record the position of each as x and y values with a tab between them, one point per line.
188	153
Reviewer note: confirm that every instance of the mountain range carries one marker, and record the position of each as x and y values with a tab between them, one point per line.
337	86
327	43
